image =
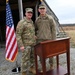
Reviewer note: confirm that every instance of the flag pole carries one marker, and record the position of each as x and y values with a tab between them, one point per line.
7	1
41	1
20	5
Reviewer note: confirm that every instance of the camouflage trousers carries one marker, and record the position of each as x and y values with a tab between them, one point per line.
27	58
51	59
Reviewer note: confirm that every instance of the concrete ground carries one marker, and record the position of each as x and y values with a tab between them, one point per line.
6	66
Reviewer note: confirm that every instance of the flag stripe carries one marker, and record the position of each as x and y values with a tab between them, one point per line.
7	30
14	53
11	43
11	50
10	37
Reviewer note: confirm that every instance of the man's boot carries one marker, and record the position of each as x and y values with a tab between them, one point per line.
51	66
23	73
32	69
51	62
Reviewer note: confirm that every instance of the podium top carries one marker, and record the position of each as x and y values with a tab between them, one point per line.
52	47
58	39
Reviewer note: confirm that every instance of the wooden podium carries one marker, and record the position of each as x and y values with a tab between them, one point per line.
50	48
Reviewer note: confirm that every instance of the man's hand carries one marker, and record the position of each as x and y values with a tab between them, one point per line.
22	48
35	37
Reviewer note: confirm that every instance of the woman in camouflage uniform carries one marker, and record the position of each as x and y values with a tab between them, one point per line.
25	33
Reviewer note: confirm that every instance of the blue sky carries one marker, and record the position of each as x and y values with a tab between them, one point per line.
64	10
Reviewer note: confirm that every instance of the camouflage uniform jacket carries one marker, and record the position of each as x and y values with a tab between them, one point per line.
45	27
25	32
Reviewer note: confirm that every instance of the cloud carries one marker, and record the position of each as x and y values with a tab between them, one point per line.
64	10
66	3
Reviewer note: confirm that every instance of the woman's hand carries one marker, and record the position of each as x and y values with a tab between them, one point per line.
22	48
35	37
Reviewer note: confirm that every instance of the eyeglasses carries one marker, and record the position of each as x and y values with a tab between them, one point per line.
42	8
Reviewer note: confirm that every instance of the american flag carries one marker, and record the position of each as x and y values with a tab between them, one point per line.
11	43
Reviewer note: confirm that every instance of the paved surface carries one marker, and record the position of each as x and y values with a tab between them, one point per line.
6	66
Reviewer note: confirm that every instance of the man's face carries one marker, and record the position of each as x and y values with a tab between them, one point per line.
29	15
42	11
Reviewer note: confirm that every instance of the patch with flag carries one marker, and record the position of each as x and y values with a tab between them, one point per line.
11	42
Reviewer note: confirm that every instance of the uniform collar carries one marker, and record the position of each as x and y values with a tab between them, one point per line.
27	20
43	16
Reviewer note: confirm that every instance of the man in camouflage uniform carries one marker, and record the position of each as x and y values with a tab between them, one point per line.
45	28
25	33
